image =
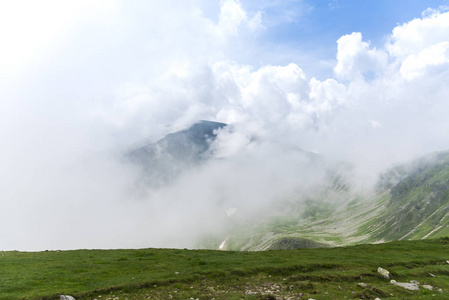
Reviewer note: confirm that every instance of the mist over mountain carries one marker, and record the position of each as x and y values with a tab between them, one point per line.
322	206
166	159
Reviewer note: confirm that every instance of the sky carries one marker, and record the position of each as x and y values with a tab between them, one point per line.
81	82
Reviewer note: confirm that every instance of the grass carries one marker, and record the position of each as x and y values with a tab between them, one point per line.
325	273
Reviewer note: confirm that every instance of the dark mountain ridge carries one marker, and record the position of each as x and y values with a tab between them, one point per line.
164	160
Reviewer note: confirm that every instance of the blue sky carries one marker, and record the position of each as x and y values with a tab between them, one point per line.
307	27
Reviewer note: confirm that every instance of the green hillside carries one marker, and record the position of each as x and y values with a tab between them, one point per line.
324	273
411	202
419	204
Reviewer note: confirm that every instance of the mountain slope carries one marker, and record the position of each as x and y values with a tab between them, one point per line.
163	161
412	202
419	203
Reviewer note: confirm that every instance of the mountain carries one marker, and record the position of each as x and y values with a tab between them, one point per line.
411	202
164	160
418	205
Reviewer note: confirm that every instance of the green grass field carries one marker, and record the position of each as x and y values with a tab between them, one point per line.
325	273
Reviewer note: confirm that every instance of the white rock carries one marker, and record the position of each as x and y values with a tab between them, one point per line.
362	284
66	297
427	287
383	272
407	286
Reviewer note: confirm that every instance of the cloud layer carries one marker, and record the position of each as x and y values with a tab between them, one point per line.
104	82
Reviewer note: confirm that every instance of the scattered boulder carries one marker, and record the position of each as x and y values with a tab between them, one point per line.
405	285
66	297
384	273
427	287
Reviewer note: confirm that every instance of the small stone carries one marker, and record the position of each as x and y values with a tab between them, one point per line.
66	297
362	285
249	292
384	273
427	287
176	273
433	275
377	299
440	290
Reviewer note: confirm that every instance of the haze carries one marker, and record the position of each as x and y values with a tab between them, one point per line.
82	82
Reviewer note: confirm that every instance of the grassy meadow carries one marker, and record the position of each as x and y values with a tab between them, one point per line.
325	273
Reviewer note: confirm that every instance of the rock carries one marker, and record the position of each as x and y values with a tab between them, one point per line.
427	287
384	273
440	290
362	285
377	299
414	282
405	285
249	292
433	275
66	297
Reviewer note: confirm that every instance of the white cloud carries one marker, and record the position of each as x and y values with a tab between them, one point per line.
413	37
356	58
231	17
432	56
29	28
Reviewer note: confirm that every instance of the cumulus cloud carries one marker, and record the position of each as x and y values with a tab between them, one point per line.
433	56
156	68
355	58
